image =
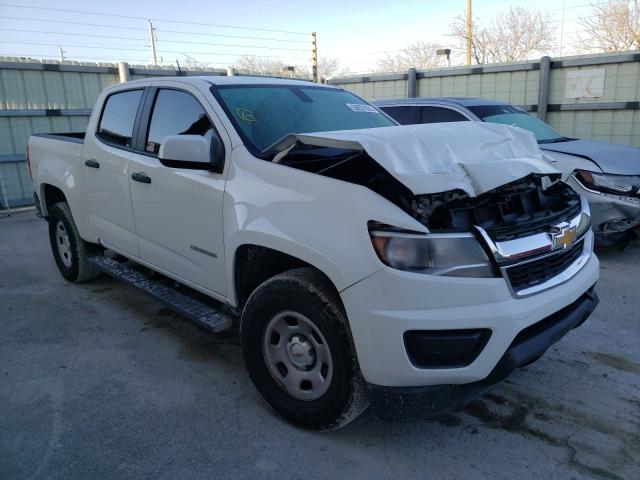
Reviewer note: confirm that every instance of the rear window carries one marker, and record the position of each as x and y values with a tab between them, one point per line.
441	115
262	115
510	115
119	116
402	115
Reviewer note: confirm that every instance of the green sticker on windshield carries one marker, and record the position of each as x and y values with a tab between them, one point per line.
245	115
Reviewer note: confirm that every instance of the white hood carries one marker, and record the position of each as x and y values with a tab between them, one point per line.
472	156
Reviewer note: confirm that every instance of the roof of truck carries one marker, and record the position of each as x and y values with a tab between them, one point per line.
234	80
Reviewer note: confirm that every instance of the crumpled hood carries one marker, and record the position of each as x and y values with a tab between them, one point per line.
610	157
471	156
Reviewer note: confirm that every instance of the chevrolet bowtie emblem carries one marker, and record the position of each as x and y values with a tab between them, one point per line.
563	236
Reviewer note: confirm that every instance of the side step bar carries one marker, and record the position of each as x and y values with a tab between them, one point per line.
204	315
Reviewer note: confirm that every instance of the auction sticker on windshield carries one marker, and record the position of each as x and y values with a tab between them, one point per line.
360	107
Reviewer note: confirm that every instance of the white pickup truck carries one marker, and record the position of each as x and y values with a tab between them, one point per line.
404	267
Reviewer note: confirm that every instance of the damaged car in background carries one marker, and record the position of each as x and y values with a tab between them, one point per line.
606	174
407	268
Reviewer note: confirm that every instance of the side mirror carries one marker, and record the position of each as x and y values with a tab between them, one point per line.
193	152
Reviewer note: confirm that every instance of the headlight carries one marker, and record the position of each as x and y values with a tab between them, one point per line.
608	183
450	254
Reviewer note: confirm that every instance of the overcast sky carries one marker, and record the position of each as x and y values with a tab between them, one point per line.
357	32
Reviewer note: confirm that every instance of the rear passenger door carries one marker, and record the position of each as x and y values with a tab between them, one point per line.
178	211
431	114
107	150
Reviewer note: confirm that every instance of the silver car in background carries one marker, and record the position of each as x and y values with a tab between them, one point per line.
608	175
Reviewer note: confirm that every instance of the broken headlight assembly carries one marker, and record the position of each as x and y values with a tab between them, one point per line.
625	185
448	254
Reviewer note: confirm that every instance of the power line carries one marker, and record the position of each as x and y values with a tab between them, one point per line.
236	45
168	41
229	36
75	34
86	12
145	50
73	23
184	32
102	47
138	49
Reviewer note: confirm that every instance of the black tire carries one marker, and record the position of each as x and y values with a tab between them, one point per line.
307	292
71	255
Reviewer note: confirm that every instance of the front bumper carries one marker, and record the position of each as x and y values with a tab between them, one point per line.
398	403
385	305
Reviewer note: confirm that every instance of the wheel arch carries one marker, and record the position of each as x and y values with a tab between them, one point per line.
255	263
49	196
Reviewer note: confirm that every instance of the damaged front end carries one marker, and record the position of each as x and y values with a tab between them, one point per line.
615	205
504	215
535	238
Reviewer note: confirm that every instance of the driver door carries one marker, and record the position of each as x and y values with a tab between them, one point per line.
178	211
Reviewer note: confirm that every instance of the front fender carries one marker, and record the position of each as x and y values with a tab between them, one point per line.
316	219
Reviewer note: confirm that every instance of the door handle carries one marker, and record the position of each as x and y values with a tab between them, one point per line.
92	163
141	177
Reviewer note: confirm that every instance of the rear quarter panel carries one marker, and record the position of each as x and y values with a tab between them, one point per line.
59	163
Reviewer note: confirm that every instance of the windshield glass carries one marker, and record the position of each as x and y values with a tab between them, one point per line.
510	115
263	114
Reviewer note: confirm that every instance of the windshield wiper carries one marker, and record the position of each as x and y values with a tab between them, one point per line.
557	140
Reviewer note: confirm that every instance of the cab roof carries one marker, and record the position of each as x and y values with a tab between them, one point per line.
234	80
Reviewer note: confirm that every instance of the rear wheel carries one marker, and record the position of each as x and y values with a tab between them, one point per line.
298	350
70	252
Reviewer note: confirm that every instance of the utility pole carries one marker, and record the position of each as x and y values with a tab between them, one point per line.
314	57
469	32
152	43
562	27
61	52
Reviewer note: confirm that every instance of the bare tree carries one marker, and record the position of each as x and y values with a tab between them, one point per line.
515	35
612	25
328	66
190	61
418	55
274	67
256	65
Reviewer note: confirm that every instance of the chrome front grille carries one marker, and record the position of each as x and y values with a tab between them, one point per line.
546	259
529	274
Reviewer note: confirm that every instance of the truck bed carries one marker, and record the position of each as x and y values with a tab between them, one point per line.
75	137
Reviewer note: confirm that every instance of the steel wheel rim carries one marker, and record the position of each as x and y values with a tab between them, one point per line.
63	244
297	356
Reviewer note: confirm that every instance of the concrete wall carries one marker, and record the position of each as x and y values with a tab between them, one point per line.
613	115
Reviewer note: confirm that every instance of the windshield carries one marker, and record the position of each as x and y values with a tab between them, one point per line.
263	114
510	115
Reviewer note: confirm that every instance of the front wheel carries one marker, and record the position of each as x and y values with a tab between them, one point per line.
298	350
70	251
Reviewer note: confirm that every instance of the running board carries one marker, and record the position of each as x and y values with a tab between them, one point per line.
204	315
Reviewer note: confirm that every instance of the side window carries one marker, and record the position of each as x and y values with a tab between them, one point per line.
402	115
119	116
440	115
176	113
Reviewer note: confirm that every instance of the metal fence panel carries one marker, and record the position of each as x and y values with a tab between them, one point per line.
53	97
611	115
